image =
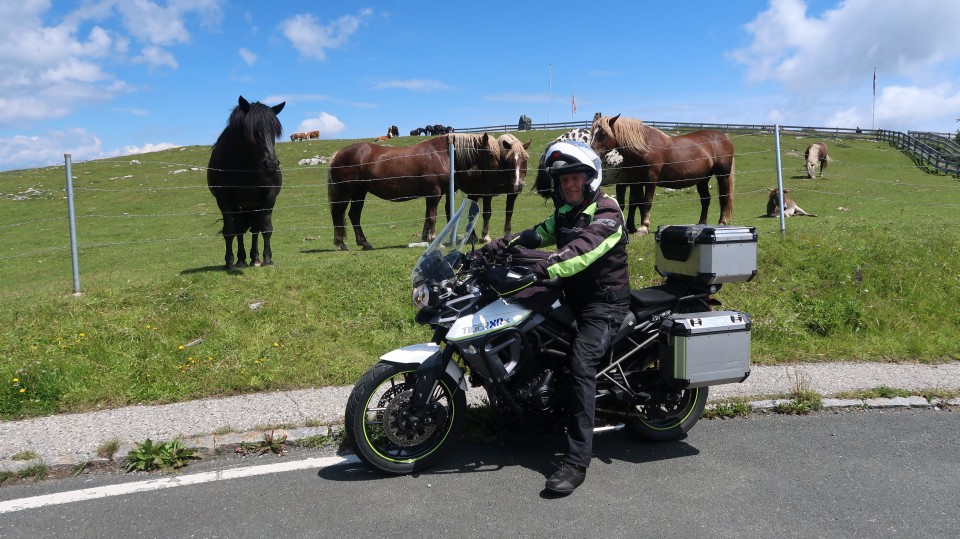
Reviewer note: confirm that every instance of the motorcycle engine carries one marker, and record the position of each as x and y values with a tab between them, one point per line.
537	396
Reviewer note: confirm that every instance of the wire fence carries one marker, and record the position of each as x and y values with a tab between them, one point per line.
151	202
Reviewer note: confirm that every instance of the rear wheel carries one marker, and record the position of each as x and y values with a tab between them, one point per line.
380	428
665	422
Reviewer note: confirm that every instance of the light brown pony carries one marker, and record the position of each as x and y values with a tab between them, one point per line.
651	158
773	205
397	174
815	154
507	179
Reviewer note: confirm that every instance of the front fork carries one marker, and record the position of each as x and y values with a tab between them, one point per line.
428	375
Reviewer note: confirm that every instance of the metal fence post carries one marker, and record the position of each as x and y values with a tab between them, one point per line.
776	138
73	226
452	187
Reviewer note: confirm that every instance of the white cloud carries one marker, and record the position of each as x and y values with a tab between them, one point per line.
416	85
248	57
151	23
39	151
327	124
50	70
805	53
136	150
21	152
156	57
823	58
312	39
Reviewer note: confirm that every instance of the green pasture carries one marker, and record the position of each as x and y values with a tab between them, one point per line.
875	277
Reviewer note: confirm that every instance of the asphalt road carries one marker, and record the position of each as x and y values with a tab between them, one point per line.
850	474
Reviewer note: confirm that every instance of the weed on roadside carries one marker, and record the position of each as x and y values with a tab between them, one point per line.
270	444
803	400
108	449
736	407
148	456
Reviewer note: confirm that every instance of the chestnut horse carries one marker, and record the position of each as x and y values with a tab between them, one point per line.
508	179
396	174
651	158
244	176
815	154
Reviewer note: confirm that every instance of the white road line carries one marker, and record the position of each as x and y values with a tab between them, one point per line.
169	482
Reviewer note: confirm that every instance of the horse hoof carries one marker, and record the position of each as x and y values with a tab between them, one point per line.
341	247
367	247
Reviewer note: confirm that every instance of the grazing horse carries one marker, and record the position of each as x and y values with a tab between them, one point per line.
508	179
394	131
611	173
396	174
652	157
313	135
244	176
815	154
298	136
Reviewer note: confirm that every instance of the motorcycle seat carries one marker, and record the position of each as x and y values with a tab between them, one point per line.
655	296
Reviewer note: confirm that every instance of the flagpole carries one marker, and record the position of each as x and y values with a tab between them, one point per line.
549	91
873	114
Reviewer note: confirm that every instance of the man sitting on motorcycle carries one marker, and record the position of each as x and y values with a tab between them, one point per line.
588	230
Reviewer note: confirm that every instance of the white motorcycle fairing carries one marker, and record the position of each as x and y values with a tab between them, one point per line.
416	354
498	315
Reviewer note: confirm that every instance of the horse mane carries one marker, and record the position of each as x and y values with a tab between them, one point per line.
628	132
258	121
515	145
467	149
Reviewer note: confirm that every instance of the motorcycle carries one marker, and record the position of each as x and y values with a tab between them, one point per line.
497	327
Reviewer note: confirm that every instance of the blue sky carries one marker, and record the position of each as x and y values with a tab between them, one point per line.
102	78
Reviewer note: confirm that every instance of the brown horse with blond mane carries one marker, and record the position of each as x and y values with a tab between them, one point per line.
397	174
507	179
652	157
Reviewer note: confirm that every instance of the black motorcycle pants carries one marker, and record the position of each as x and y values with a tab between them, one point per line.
597	324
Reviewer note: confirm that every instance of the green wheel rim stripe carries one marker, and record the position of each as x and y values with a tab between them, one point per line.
409	460
693	406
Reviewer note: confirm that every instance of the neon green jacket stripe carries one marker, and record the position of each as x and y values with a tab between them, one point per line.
566	268
575	264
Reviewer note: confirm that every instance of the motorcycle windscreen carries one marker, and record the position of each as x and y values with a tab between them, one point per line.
436	262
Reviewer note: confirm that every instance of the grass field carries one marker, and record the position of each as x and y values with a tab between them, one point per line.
874	277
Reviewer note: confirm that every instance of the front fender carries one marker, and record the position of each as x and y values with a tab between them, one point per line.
417	354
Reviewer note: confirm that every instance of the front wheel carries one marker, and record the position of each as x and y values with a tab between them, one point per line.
665	422
378	424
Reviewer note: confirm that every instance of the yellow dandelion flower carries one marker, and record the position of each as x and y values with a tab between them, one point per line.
180	347
16	380
22	390
276	344
83	334
148	326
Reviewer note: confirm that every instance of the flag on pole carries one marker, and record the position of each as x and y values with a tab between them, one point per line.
874	82
574	103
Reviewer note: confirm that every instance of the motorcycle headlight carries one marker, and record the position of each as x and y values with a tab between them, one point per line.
421	296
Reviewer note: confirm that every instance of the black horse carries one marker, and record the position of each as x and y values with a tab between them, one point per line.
244	176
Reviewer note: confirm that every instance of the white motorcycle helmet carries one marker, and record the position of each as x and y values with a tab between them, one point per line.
573	156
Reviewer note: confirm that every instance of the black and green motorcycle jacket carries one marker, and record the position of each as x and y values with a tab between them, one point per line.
591	255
